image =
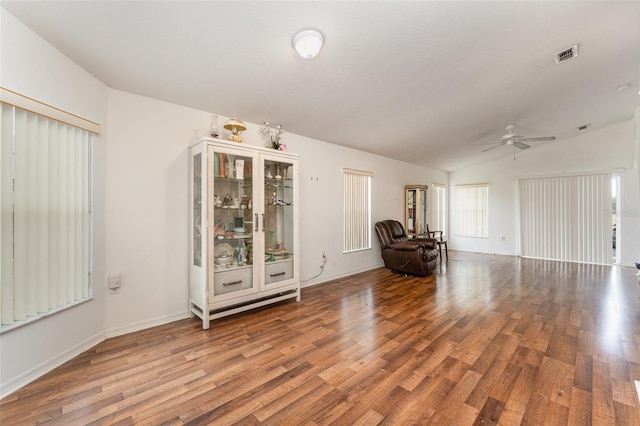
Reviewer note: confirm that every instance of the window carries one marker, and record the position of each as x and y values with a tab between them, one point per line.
566	218
45	221
357	210
471	210
438	208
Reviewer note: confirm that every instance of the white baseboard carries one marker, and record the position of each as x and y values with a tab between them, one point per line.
324	279
130	328
40	370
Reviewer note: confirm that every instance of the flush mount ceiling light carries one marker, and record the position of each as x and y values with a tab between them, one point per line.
308	43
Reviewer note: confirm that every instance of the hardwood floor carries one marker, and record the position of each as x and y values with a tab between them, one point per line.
485	340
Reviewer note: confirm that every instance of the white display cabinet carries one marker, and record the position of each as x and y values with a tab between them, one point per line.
243	226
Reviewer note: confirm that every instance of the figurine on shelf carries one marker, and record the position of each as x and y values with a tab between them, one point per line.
218	230
274	198
227	200
242	255
217	200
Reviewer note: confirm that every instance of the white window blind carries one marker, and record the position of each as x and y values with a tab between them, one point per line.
566	218
472	204
438	208
45	222
357	210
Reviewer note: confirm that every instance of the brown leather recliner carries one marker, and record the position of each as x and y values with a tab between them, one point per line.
416	256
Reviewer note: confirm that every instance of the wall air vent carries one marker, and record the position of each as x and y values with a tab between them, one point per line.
567	54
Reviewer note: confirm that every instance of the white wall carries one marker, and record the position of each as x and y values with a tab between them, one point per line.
604	149
147	209
34	68
147	206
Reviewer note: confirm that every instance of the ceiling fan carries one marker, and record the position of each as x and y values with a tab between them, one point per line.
514	139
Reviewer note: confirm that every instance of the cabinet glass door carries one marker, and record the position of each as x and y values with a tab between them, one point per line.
197	210
411	195
421	207
232	224
278	221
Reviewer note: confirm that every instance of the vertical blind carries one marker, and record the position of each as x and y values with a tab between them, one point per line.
472	205
357	210
45	222
566	218
438	208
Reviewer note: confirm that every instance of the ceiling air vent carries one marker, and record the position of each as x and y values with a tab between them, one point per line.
567	54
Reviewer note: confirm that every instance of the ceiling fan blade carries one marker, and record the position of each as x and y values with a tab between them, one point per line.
541	139
490	148
520	145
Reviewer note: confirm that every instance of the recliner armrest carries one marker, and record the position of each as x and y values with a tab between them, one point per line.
429	242
405	246
410	245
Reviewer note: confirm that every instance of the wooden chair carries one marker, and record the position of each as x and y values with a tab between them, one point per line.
441	240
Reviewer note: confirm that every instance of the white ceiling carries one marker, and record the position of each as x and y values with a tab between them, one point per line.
422	82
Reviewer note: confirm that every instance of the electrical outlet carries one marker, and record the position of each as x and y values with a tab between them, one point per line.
114	282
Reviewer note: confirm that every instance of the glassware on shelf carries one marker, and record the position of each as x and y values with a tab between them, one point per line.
214	128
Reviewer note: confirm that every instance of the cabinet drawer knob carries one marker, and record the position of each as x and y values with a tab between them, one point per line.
232	283
277	274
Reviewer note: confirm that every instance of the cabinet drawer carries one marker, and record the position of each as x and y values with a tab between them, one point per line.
278	271
232	281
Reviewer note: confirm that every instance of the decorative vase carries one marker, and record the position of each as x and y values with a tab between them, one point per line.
214	129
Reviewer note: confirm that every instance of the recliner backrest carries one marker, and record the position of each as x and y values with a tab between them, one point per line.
389	232
397	231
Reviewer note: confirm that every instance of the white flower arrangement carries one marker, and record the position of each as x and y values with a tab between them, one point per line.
274	136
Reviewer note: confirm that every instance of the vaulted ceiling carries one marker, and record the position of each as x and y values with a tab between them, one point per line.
430	83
